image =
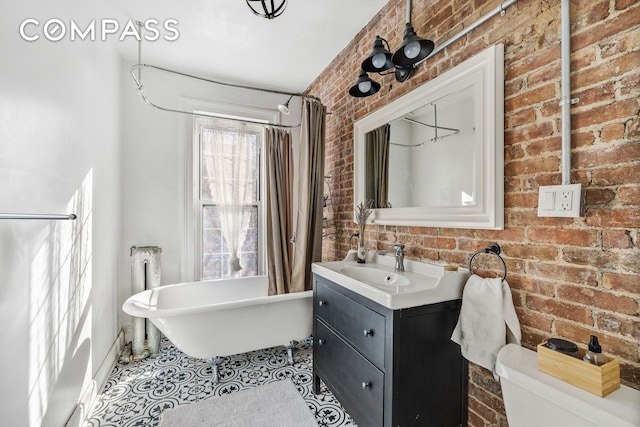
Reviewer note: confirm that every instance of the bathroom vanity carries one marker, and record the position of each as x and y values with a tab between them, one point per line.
388	366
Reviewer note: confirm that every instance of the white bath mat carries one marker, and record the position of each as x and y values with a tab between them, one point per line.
269	405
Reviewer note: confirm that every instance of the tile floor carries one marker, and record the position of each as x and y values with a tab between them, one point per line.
137	393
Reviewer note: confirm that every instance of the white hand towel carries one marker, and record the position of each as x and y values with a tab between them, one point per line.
487	321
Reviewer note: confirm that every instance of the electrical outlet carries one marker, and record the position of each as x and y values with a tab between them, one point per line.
566	198
561	200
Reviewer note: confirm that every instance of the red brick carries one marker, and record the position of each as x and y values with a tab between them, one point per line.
629	86
545	146
621	282
600	94
532	285
597	196
623	4
527	133
581	275
618	175
612	132
629	218
605	113
582	139
605	153
619	325
619	239
595	298
629	195
520	200
560	309
531	97
604	29
530	252
535	320
611	156
513	152
530	166
439	243
543	75
562	236
523	116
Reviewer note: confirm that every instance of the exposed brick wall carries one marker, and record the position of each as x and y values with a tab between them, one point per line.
570	277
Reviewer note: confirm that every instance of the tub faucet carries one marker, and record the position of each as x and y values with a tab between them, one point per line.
399	256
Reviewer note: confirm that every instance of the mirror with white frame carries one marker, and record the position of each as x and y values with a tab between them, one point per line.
434	157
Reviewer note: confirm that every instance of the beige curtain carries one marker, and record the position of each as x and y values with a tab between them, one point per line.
310	173
279	170
377	166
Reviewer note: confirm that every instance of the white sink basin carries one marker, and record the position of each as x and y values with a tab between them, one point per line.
419	284
375	276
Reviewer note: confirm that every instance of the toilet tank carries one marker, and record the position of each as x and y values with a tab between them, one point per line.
533	398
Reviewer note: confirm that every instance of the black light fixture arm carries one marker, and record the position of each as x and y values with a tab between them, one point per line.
402	63
406	65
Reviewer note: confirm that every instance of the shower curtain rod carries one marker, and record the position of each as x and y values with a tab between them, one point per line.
37	216
140	90
434	126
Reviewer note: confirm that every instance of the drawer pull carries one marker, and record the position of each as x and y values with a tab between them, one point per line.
368	332
366	385
321	341
321	303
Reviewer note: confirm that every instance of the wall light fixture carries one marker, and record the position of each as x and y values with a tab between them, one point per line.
412	51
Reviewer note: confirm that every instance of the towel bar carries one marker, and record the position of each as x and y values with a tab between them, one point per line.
493	248
37	216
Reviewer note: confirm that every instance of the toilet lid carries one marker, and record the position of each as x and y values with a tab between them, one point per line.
520	366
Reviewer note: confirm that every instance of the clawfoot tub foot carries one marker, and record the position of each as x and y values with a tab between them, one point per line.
215	367
290	346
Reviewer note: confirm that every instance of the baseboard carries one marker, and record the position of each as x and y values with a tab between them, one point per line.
89	395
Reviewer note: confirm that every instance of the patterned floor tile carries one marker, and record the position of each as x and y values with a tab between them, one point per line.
136	394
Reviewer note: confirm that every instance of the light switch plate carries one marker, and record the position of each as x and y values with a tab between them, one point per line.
561	200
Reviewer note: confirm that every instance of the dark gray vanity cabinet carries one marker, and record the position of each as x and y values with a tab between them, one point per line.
389	367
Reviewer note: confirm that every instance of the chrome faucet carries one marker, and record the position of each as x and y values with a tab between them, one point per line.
399	256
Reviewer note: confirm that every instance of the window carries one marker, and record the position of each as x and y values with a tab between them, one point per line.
229	166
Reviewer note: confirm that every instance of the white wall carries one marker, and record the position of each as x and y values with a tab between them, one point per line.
59	153
155	177
74	137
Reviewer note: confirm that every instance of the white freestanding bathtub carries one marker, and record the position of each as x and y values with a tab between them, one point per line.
216	318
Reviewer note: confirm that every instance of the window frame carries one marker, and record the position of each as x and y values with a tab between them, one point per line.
191	257
200	124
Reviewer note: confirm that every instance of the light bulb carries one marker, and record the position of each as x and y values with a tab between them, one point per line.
284	108
411	50
379	60
365	86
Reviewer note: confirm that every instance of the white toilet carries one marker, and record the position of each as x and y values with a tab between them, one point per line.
533	398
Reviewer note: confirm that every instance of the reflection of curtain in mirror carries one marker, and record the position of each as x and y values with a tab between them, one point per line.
377	166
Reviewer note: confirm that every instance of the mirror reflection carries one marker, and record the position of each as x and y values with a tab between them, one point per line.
434	157
400	170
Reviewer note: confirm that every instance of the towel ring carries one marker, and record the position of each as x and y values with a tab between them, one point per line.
493	248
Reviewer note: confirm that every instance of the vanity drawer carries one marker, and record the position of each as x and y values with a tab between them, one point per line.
361	326
356	382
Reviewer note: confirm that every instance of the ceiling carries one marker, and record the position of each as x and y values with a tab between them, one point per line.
224	40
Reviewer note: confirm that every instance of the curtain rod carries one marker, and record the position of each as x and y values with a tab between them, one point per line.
140	90
37	216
